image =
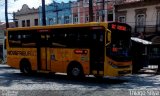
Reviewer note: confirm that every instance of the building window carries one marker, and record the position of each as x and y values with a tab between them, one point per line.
59	20
122	19
121	16
16	23
110	16
86	1
140	17
87	18
75	19
54	20
94	17
36	22
97	18
50	21
28	23
140	20
98	0
66	19
23	23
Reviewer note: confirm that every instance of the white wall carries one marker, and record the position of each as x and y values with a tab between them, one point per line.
151	15
30	17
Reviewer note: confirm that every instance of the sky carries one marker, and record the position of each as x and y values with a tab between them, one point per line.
17	5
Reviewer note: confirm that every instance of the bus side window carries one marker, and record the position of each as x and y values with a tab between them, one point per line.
58	38
14	39
83	37
28	39
94	36
97	36
101	39
72	38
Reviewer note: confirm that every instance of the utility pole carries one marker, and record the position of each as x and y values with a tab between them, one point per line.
56	13
103	11
56	10
6	13
43	13
90	11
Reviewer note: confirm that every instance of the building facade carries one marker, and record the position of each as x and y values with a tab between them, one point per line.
80	11
143	16
26	17
56	13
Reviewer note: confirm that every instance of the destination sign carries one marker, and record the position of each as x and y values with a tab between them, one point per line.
118	27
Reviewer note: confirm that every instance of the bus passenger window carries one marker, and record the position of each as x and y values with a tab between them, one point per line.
28	39
94	36
83	39
101	38
14	39
58	38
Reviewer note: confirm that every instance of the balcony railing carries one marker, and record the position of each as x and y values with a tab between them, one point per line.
148	29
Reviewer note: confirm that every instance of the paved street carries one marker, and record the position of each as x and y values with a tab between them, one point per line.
12	81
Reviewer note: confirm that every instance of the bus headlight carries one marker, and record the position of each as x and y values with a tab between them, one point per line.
111	63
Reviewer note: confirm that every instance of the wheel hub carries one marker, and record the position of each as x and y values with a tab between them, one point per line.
75	71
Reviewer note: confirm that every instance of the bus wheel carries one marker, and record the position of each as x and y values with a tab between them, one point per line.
75	71
25	66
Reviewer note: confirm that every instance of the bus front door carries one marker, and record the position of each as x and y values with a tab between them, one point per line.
44	62
97	54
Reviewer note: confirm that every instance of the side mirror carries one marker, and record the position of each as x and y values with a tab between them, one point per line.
108	39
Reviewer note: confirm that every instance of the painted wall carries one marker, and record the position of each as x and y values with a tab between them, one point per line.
26	13
81	9
56	11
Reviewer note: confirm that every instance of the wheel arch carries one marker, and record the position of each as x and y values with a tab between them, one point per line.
22	62
74	64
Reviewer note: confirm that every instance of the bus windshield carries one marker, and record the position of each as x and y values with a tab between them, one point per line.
119	49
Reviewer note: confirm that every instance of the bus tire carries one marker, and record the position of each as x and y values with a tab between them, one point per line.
75	70
25	66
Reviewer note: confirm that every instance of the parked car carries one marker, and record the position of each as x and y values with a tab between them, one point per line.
144	53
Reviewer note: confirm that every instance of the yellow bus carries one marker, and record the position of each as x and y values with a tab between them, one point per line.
75	49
